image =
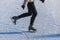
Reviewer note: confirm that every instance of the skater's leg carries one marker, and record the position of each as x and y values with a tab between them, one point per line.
24	15
32	21
15	18
33	18
34	14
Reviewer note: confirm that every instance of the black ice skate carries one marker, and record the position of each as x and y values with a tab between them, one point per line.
31	29
14	19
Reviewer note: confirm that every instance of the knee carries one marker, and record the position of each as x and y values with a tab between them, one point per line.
30	13
35	14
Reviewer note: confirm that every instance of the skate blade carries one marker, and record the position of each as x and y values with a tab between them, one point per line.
31	31
13	21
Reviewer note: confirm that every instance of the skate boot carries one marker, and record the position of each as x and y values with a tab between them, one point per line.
14	19
31	29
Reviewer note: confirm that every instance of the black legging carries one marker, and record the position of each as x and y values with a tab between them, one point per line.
31	11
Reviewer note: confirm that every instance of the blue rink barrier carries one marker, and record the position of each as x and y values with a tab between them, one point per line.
36	36
10	32
48	36
13	32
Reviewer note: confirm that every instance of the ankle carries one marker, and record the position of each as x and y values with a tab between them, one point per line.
15	17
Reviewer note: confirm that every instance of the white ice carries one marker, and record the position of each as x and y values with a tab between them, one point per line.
47	21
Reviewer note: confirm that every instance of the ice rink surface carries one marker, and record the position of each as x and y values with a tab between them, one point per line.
47	21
